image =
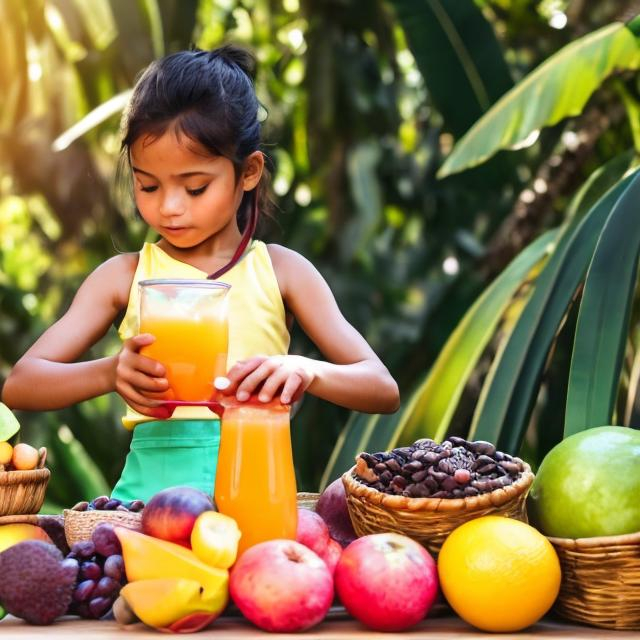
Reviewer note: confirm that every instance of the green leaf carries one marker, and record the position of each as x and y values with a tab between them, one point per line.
501	415
432	405
9	424
603	319
451	39
71	456
558	88
363	432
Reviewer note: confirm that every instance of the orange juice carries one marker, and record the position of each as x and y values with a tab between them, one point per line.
255	480
188	319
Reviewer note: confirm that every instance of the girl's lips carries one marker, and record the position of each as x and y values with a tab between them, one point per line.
175	229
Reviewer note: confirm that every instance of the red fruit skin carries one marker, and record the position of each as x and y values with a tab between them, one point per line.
171	513
281	586
312	531
191	623
332	507
331	555
387	581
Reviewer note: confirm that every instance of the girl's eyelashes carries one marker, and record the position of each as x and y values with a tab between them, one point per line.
148	189
191	192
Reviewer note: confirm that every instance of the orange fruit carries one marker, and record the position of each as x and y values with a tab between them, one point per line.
499	574
25	457
6	453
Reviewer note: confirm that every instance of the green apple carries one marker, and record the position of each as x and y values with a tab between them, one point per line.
589	485
9	424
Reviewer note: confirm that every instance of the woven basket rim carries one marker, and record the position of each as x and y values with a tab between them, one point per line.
402	503
20	477
596	541
101	513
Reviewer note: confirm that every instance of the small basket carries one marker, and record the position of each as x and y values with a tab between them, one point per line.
307	500
429	520
22	492
600	581
79	525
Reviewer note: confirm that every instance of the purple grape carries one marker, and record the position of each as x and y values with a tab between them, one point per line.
112	504
84	591
99	606
114	567
98	503
106	587
84	549
106	541
71	562
136	505
90	571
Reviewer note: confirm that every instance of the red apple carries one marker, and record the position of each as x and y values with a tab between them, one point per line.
387	581
331	554
312	531
281	586
332	507
171	513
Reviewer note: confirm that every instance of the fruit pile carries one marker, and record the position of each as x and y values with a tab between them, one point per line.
456	468
22	457
105	503
101	573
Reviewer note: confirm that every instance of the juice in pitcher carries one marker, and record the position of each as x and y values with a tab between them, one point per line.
255	479
189	321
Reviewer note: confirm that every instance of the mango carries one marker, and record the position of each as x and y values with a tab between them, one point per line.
147	558
214	539
11	534
164	603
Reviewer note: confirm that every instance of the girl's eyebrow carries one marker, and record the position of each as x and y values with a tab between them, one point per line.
186	174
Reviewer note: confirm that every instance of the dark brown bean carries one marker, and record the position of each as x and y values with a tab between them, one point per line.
386	477
437	475
419	476
369	459
445	466
488	468
471	491
381	467
418	454
481	447
400	481
510	467
449	484
441	494
431	457
412	467
393	465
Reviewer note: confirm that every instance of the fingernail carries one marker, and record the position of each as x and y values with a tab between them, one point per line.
285	399
263	397
221	383
242	396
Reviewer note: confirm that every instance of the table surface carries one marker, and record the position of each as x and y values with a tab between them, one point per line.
441	628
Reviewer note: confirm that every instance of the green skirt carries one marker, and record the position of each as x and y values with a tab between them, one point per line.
170	453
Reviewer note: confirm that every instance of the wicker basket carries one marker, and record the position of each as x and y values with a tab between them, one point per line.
79	525
429	520
22	492
600	581
307	500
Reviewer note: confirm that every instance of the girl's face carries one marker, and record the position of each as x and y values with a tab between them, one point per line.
187	195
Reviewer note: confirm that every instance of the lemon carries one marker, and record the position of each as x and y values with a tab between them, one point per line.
499	574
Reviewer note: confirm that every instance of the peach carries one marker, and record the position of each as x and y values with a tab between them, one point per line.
25	457
11	534
281	586
171	513
312	531
387	581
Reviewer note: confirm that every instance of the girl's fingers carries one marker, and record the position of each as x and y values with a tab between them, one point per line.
133	397
272	384
144	382
292	389
251	381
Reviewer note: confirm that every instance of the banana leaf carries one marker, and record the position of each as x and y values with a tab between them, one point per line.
452	39
558	88
603	319
501	416
432	405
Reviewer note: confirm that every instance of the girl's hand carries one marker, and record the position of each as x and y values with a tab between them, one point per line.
290	374
139	380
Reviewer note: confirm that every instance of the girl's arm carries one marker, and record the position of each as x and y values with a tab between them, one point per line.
353	376
48	376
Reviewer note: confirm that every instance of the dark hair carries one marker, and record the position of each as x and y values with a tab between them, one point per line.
209	97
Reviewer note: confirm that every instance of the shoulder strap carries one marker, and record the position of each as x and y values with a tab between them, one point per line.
247	234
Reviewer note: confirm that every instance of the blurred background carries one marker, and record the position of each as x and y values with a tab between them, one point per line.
365	102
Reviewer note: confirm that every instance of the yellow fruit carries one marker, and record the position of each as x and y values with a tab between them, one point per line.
163	601
147	558
214	539
499	574
25	457
11	534
6	453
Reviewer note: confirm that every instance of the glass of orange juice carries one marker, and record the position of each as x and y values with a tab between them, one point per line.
189	321
255	478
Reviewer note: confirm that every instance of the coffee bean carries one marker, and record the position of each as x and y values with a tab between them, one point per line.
487	469
449	484
412	467
431	457
400	481
510	467
393	465
369	459
419	454
471	491
386	477
381	467
483	448
419	476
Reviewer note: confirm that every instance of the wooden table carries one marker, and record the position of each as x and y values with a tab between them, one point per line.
444	628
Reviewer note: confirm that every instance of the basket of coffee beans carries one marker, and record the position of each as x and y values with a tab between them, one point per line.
84	517
428	489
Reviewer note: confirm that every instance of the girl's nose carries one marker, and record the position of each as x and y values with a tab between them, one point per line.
172	204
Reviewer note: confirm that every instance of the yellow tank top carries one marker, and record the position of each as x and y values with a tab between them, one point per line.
257	322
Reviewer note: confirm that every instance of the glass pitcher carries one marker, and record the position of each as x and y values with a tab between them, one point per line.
255	478
189	319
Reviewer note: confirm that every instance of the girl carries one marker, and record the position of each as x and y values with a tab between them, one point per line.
191	138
